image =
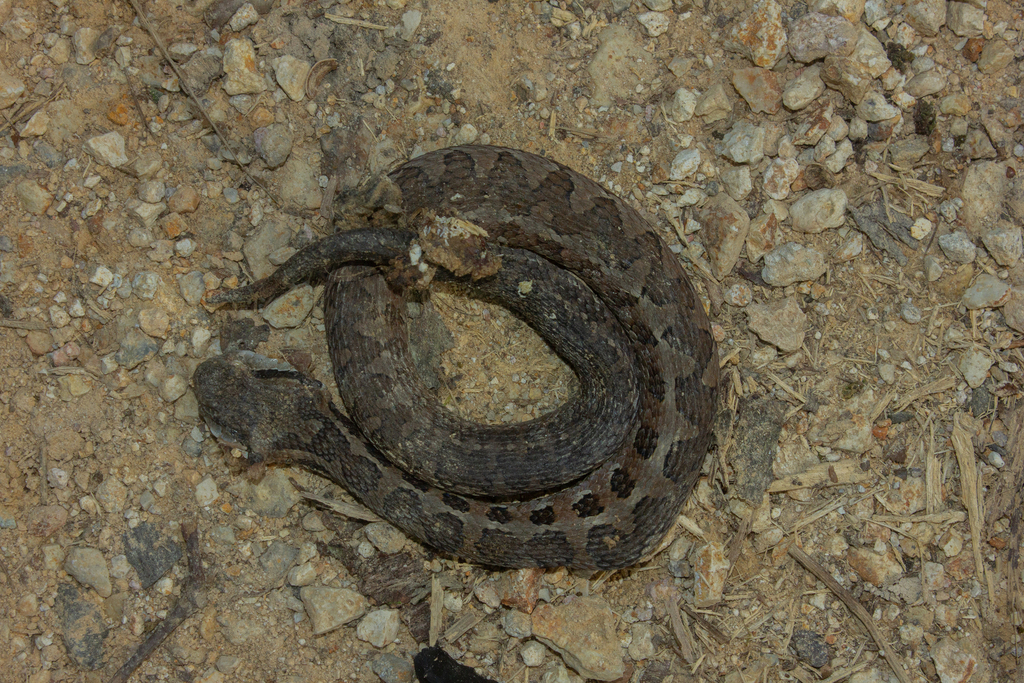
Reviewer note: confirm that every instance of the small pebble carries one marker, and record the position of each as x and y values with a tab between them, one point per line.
379	627
988	291
533	653
90	568
957	247
910	313
206	492
739	294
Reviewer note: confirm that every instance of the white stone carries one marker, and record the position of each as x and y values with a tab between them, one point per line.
206	492
974	365
107	149
59	317
655	23
379	628
466	135
410	22
302	575
921	228
533	653
683	104
291	76
11	89
102	277
329	608
244	17
874	107
965	20
803	89
146	213
744	143
819	210
243	78
89	567
685	164
837	162
36	125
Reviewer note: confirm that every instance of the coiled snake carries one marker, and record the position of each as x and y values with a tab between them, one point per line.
595	484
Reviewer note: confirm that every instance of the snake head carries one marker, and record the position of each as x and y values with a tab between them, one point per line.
246	398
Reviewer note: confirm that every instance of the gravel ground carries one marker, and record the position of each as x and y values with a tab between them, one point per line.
840	178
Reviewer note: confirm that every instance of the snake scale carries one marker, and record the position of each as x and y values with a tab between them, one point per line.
597	483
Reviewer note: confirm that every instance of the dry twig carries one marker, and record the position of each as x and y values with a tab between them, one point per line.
27	110
712	630
338	19
851	603
436	607
936	387
1008	499
969	491
193	598
839	473
679	630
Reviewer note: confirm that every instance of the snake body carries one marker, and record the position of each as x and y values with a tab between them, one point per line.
595	484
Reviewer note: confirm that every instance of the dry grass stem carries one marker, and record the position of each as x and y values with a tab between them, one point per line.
969	491
436	607
338	19
683	636
839	473
851	603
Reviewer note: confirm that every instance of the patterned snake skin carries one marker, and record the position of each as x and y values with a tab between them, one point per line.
595	484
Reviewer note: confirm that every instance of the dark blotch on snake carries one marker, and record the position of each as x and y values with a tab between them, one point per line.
499	514
588	506
415	482
560	182
677	466
646	504
403	504
669	336
458	160
442	531
495	544
455	502
544	515
361	471
552	545
645	441
622	484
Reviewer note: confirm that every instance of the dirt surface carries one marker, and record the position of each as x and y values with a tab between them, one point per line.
855	397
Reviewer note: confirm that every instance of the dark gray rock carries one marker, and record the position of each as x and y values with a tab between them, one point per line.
278	558
150	553
393	669
136	347
759	426
273	144
48	154
191	447
810	647
9	173
82	627
980	403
